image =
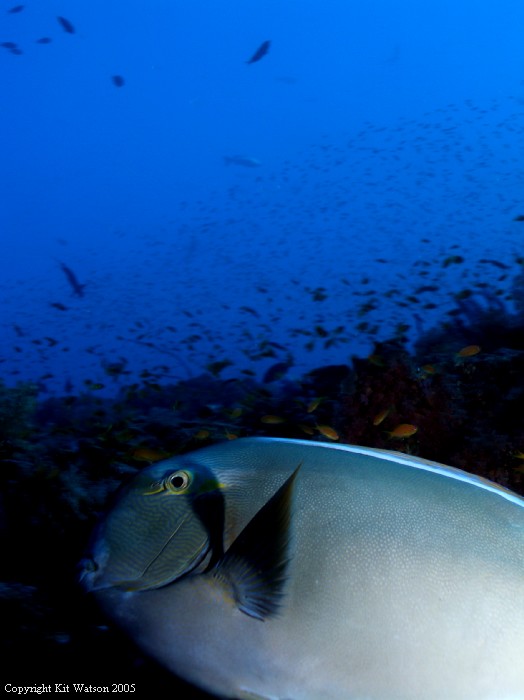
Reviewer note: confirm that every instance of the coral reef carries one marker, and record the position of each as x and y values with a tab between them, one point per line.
63	458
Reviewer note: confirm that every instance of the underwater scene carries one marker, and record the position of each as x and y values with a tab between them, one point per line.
226	219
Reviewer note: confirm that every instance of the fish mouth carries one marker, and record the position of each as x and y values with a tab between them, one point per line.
91	576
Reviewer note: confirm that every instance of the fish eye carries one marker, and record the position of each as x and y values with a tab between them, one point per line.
178	482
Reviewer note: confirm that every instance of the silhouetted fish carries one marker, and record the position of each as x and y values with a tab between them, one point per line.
15	9
276	371
66	25
77	288
245	161
118	80
8	45
44	40
260	52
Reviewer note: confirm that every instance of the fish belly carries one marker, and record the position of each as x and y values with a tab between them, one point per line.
386	631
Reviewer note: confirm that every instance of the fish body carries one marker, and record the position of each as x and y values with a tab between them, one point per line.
404	430
244	161
276	372
262	50
77	288
66	25
298	570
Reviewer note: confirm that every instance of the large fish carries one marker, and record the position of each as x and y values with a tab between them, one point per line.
296	570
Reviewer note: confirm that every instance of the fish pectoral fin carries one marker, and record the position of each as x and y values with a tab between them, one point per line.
255	565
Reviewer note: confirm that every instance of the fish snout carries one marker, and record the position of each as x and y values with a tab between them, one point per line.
93	571
91	575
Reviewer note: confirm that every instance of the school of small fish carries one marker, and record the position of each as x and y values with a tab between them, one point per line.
347	195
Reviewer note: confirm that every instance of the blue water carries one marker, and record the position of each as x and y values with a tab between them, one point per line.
389	138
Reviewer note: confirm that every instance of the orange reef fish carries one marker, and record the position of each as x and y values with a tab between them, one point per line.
272	420
328	431
381	416
147	454
469	351
404	430
314	404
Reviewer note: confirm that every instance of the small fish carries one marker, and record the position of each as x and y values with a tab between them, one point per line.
250	310
318	294
78	289
245	161
118	80
147	454
44	40
275	372
14	10
313	405
216	367
278	346
66	25
452	260
404	430
59	306
519	217
427	288
94	386
469	351
272	420
328	431
381	416
376	360
496	263
8	45
201	434
260	52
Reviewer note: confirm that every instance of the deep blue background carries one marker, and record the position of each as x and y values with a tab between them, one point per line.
389	135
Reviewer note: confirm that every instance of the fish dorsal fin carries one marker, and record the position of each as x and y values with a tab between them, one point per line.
255	565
